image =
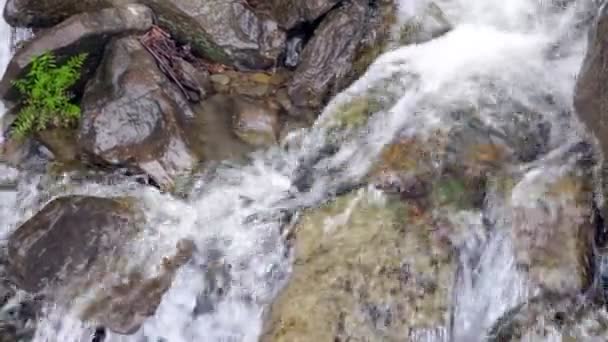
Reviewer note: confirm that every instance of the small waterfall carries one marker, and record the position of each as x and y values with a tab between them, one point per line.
235	213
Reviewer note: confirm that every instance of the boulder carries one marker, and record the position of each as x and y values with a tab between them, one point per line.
66	237
78	249
85	32
365	269
552	318
553	228
130	114
228	32
329	55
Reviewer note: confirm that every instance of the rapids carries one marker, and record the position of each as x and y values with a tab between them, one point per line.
236	214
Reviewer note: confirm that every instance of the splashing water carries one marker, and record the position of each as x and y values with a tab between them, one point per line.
521	50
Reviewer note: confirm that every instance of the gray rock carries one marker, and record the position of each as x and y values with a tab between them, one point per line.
86	32
224	31
329	55
130	115
551	317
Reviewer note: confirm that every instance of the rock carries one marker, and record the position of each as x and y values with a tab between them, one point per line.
224	31
365	269
220	79
256	122
124	306
289	13
33	13
131	113
18	317
293	51
328	55
227	32
428	24
66	237
552	318
210	131
86	32
553	228
590	92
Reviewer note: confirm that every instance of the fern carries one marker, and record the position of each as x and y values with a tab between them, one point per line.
46	101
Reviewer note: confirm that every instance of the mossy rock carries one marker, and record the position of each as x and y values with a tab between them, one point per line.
364	269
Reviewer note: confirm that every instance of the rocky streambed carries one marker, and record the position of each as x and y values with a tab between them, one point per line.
333	170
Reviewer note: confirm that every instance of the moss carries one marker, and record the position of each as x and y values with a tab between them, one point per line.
451	191
353	114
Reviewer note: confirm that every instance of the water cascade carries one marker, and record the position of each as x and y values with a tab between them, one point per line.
238	215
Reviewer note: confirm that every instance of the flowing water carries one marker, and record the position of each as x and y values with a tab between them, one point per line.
521	50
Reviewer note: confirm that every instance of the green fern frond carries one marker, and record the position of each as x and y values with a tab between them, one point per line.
46	100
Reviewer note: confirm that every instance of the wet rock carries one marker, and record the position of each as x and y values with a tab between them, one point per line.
329	55
379	274
228	32
289	13
406	167
590	92
34	13
552	317
66	237
256	122
293	51
428	24
131	113
123	306
18	317
553	228
210	132
224	31
86	32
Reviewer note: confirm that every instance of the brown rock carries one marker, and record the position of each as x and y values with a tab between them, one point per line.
130	115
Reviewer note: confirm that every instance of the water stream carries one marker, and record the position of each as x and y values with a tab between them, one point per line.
520	49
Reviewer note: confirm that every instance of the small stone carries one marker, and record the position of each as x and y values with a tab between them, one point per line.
220	79
260	78
256	90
